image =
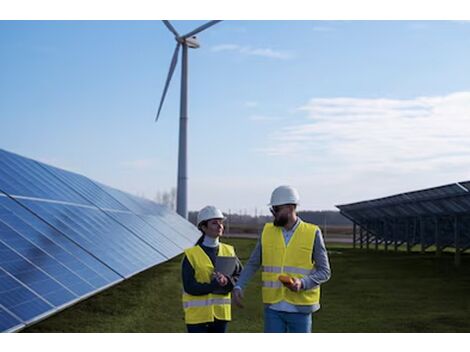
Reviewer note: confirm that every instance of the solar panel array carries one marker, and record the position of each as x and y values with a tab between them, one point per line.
434	216
64	237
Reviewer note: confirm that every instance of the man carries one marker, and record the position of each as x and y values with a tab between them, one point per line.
293	248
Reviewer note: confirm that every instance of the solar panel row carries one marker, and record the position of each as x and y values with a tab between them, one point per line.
415	217
64	237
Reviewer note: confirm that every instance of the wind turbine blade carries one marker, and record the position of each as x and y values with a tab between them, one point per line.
201	28
174	61
171	28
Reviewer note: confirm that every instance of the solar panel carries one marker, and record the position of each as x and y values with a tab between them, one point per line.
52	241
64	237
436	204
88	189
22	177
7	320
99	235
156	215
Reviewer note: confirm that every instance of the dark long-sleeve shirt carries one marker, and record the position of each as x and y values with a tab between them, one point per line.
195	288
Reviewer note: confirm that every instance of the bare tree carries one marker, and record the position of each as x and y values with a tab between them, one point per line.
167	198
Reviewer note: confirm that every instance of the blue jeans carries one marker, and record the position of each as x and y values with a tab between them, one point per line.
276	321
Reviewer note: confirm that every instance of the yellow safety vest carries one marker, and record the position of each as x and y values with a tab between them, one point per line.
294	260
203	309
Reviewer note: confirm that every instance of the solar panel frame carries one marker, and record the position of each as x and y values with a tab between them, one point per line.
442	201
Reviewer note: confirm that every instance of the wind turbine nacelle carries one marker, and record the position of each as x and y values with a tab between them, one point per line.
192	42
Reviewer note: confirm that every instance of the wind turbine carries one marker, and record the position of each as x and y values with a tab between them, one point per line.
186	41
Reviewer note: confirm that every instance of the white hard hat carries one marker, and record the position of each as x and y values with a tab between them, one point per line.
284	195
209	212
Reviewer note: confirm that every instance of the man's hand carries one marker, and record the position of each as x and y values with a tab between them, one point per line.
237	295
296	285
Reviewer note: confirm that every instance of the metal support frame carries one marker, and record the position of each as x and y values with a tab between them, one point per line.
457	259
354	235
437	237
421	235
361	237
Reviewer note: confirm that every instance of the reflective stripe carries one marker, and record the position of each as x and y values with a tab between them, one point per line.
287	269
295	270
272	284
219	301
272	269
206	302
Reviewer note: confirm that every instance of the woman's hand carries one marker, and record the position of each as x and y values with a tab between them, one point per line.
221	279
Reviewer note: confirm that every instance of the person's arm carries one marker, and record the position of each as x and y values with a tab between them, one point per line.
250	268
190	284
233	279
322	271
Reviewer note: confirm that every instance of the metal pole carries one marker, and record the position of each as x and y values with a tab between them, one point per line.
386	235
408	244
377	225
457	242
354	235
361	236
438	244
367	236
421	233
395	241
182	188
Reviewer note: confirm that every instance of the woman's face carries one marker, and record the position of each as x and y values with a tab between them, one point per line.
214	228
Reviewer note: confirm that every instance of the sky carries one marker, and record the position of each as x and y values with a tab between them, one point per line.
342	110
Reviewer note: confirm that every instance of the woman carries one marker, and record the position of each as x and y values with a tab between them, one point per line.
206	294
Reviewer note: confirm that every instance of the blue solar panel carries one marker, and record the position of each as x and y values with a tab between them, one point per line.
7	320
53	242
159	238
26	178
64	237
157	216
426	207
74	273
86	188
22	301
99	235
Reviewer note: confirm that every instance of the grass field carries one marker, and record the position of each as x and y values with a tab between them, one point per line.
369	292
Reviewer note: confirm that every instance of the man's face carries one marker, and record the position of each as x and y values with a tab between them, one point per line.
281	214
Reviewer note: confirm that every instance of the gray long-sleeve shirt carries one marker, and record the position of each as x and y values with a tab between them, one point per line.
316	277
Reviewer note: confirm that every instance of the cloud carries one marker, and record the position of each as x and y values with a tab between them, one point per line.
401	136
247	50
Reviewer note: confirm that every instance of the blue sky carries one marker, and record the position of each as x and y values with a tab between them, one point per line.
342	110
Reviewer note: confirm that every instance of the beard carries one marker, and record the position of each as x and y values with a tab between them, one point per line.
282	220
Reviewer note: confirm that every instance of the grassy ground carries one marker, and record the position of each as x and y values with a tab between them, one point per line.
369	292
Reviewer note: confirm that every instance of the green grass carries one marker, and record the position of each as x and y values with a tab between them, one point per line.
369	292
